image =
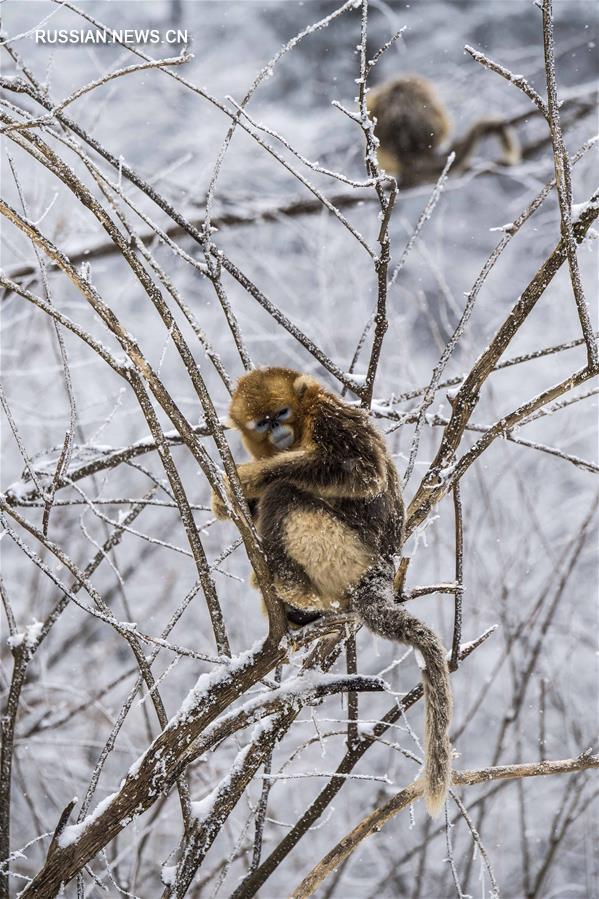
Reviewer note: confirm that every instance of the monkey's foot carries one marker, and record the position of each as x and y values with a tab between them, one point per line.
297	618
299	597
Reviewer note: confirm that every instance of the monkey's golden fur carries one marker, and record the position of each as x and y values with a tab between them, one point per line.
412	123
326	499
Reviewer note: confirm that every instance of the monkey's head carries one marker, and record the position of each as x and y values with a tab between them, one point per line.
270	407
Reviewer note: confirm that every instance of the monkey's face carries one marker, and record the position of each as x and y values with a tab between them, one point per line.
276	427
267	410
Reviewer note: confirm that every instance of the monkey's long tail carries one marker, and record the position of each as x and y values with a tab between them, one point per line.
374	602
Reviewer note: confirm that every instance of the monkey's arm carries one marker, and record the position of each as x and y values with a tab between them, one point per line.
323	471
254	477
342	457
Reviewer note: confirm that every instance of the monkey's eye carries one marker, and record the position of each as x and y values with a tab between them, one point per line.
284	414
262	425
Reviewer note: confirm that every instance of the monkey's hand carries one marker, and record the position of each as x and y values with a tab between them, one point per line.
251	480
248	475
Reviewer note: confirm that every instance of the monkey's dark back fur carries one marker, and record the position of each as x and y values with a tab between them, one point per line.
351	449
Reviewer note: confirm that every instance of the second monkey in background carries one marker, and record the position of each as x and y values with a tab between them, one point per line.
412	124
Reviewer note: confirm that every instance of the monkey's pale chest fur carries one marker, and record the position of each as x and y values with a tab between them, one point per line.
331	554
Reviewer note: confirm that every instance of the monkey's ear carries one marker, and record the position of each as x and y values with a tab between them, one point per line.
305	383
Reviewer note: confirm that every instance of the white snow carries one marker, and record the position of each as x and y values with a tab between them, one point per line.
358	378
29	636
168	874
507	228
21	490
202	808
578	209
206	682
73	832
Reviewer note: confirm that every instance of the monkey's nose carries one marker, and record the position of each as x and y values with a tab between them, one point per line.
281	436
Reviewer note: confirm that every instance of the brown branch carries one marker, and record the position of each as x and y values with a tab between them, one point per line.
458	588
550	112
22	656
377	819
197	234
296	207
254	881
209	822
510	421
290	209
106	461
156	770
507	363
142	369
517	80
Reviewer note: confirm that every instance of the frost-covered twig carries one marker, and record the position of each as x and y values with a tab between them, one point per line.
495	894
19	441
233	218
188	228
550	111
65	455
431	488
510	421
98	82
563	177
132	375
315	166
386	202
518	80
507	363
459	576
423	217
374	821
471	298
265	73
22	654
159	765
351	758
211	812
451	859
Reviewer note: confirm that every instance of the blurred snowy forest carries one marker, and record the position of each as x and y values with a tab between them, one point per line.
118	588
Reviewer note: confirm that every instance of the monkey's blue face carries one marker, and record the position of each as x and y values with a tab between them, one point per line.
276	428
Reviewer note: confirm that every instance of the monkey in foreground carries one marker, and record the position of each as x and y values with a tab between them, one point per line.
412	123
327	503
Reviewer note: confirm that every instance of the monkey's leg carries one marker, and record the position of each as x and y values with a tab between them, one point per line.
302	603
373	599
332	554
295	615
289	580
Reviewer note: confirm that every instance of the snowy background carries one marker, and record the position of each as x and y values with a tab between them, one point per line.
526	567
